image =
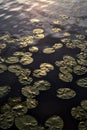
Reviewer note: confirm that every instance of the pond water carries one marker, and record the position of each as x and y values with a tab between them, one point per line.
43	65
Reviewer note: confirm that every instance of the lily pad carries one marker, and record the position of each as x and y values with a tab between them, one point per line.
6	120
3	68
82	125
26	122
84	104
54	123
57	45
82	82
26	60
29	91
12	60
25	80
15	69
19	110
31	103
38	31
46	66
66	93
79	113
42	85
66	77
39	73
33	49
48	50
79	70
4	90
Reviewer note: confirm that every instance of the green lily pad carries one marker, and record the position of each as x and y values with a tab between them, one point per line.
57	45
39	73
3	68
84	104
46	66
15	69
79	113
65	93
29	91
26	60
42	85
4	90
66	77
25	80
6	120
82	125
48	50
54	123
79	70
12	60
33	49
82	82
31	103
19	110
26	122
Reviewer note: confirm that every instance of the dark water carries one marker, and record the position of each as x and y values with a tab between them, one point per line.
17	23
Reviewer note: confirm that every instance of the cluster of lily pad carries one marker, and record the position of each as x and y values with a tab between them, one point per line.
80	114
15	111
44	69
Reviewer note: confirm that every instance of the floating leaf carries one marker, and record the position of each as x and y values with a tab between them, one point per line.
2	45
3	68
15	69
84	104
34	20
25	80
65	69
54	123
29	91
38	31
79	113
57	45
31	103
33	49
42	85
26	122
26	60
48	50
65	93
55	29
66	77
6	120
82	125
12	60
82	82
46	66
39	73
79	70
4	90
19	110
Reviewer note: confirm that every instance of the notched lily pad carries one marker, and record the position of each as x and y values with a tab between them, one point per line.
26	122
12	60
54	123
66	93
3	68
79	70
4	90
42	85
48	50
82	82
66	77
82	125
6	120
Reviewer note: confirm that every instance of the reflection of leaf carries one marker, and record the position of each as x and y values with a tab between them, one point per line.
54	123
